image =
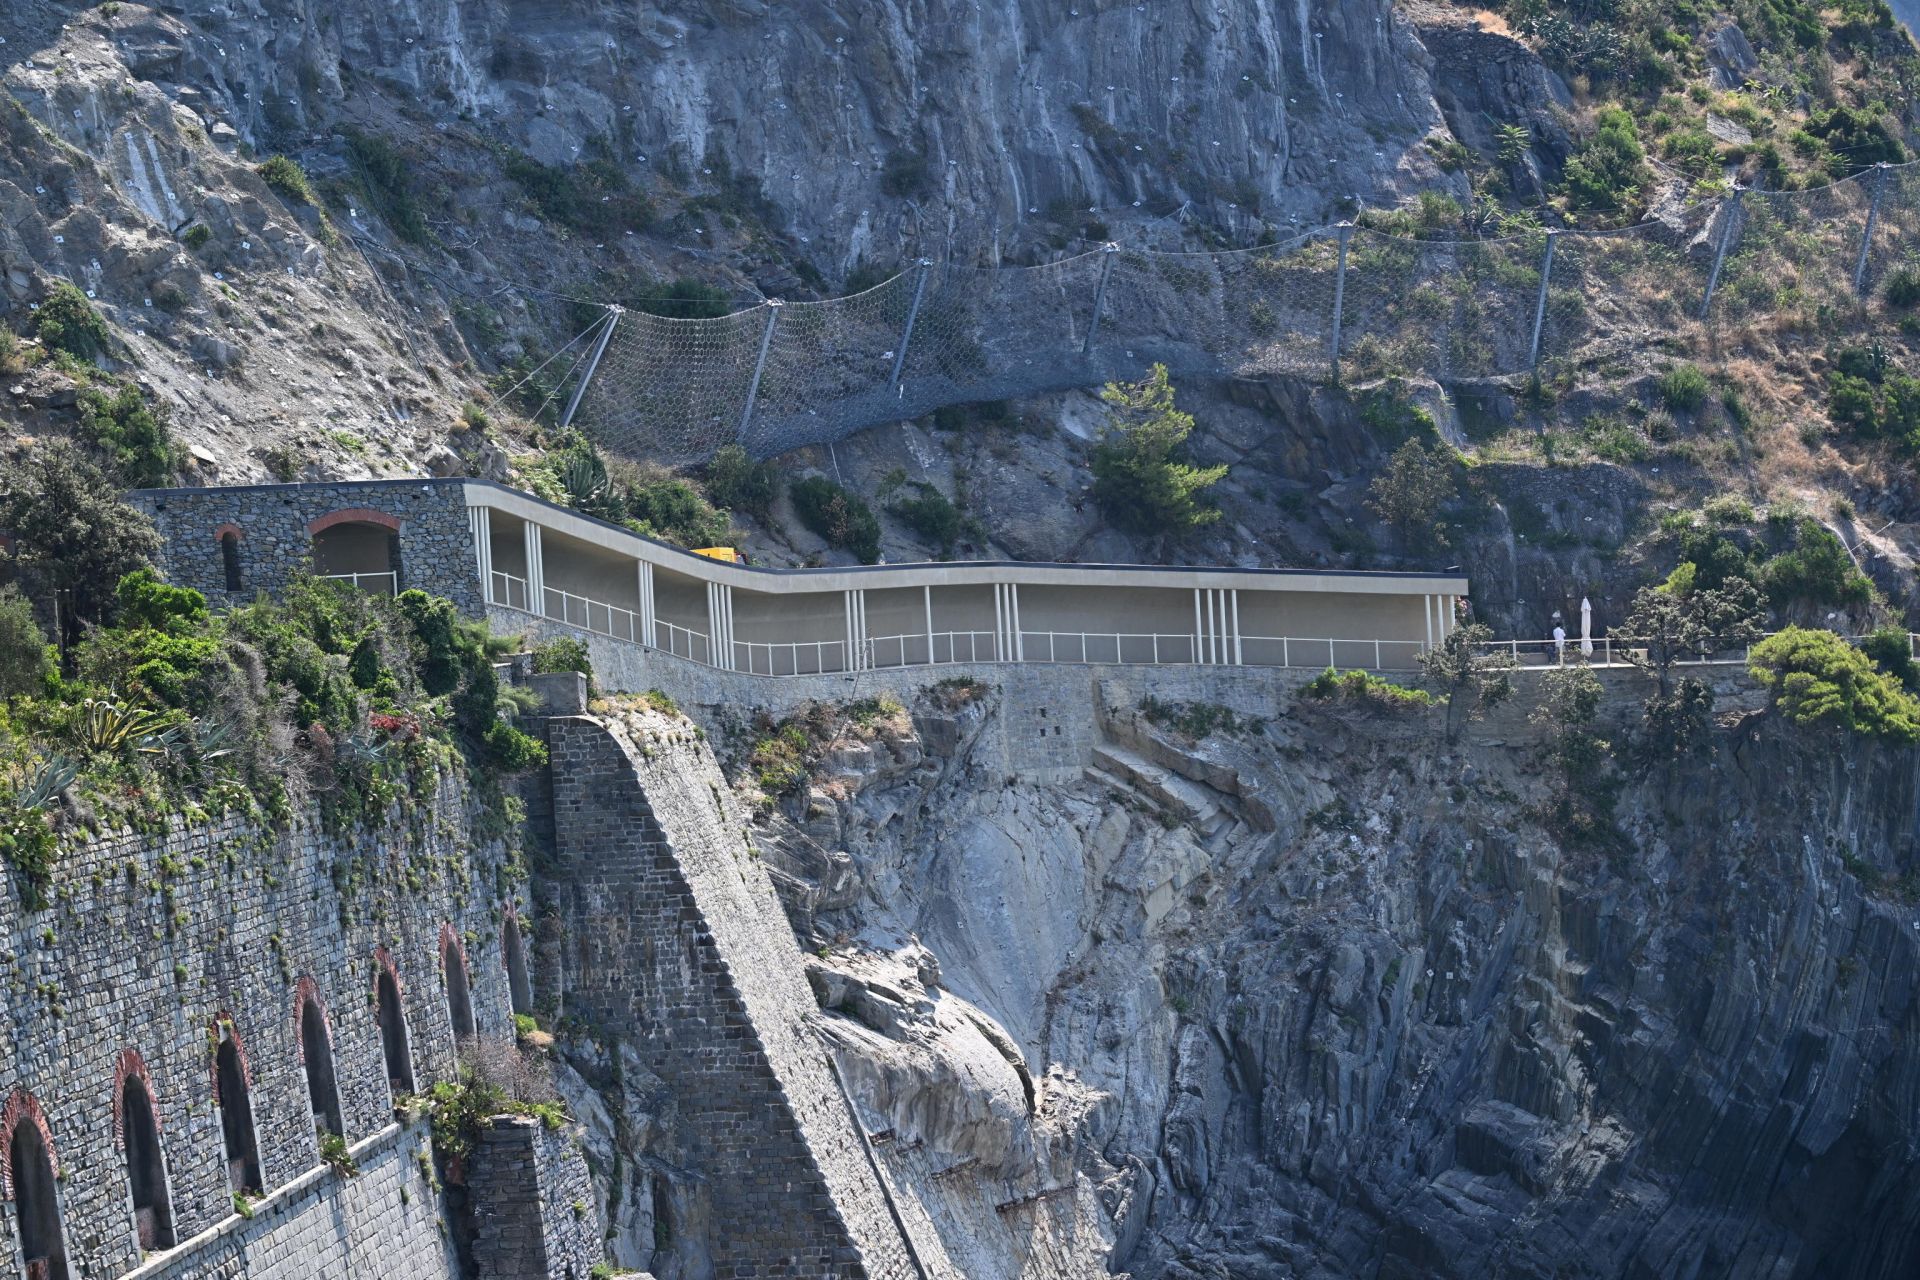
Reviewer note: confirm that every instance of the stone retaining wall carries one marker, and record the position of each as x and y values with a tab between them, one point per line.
436	545
383	1221
153	939
676	942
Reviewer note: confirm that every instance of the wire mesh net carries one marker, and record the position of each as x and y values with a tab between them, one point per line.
1634	287
1790	257
676	390
1893	251
1454	309
673	390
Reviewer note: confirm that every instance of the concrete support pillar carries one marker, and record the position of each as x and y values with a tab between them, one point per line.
646	636
480	522
856	630
536	572
1013	603
720	624
999	622
1426	616
927	594
1234	597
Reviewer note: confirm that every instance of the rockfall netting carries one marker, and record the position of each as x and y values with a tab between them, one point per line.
1340	300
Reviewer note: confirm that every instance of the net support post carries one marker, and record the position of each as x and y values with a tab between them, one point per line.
1866	235
1730	216
599	349
906	332
1540	303
1339	298
1107	253
759	366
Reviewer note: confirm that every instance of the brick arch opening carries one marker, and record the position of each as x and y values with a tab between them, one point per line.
315	1042
395	1044
453	962
32	1183
136	1126
513	952
359	545
232	1096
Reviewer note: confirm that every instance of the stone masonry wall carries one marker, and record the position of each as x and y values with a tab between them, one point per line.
384	1222
533	1202
153	939
436	545
675	941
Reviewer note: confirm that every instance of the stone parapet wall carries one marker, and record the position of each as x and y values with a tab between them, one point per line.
384	1221
152	939
677	942
436	543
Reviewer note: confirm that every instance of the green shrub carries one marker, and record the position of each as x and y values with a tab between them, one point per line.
287	178
1816	570
659	700
1366	689
1817	679
593	196
1891	649
563	653
904	174
133	431
662	505
1410	493
933	516
73	534
25	659
1902	289
1141	480
1729	509
1609	173
67	322
196	236
335	1154
513	750
837	516
386	175
738	483
779	760
1684	388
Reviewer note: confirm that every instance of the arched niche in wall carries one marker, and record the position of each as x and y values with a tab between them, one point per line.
395	1044
453	963
315	1042
228	537
233	1096
136	1126
32	1176
513	952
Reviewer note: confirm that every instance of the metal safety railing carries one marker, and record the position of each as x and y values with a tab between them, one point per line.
591	615
383	584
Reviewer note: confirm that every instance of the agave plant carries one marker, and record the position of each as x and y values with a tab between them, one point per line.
212	739
107	726
47	780
584	477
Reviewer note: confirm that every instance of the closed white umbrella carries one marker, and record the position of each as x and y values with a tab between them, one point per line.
1586	626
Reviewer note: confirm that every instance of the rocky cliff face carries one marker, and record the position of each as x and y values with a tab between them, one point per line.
770	149
1341	1003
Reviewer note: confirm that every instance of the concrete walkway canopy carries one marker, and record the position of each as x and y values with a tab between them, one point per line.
500	552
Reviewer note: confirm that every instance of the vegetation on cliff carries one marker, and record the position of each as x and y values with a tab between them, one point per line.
154	704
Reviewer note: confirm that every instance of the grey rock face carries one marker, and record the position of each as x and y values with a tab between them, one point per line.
923	122
1362	1014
